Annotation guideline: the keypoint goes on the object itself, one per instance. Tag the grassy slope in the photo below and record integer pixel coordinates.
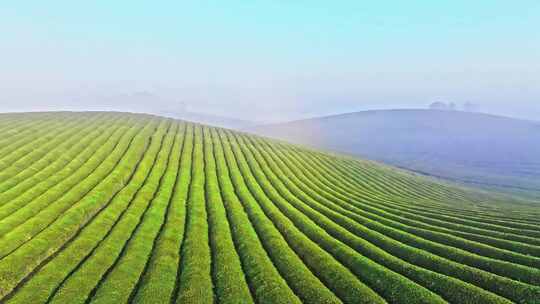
(116, 207)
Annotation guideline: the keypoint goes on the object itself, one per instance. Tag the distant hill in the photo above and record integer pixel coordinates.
(148, 102)
(209, 119)
(491, 151)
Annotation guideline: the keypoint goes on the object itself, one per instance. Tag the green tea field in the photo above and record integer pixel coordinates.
(109, 207)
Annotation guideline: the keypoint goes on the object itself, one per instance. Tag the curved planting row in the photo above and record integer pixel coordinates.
(128, 208)
(336, 183)
(510, 289)
(54, 150)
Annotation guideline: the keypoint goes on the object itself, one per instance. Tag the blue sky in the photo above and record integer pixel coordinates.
(272, 60)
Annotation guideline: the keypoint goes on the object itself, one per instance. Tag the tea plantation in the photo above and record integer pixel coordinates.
(105, 207)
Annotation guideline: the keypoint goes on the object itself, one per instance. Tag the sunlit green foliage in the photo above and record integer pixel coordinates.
(119, 208)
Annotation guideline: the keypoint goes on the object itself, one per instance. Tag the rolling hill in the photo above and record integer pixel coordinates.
(104, 207)
(485, 150)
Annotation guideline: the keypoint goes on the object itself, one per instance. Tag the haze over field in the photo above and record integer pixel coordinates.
(271, 61)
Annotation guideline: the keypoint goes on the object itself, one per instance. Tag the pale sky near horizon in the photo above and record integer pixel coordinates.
(271, 60)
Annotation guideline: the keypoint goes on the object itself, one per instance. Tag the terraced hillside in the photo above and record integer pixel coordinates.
(116, 208)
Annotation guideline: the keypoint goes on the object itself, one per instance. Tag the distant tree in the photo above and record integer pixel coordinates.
(438, 106)
(443, 106)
